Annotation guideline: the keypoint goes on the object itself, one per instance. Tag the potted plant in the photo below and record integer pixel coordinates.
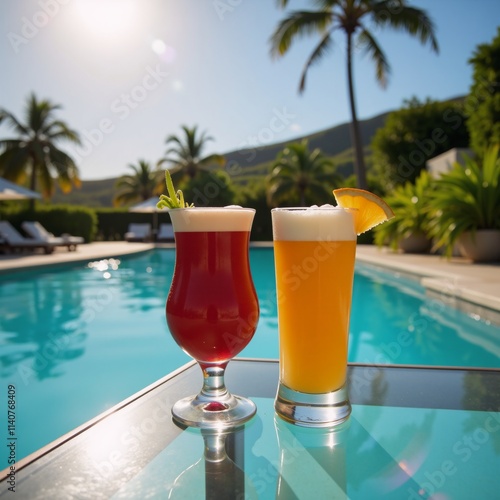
(407, 231)
(466, 208)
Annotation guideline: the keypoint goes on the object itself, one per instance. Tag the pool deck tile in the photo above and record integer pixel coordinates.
(457, 278)
(83, 253)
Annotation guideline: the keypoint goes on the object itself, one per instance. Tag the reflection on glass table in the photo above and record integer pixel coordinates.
(414, 433)
(214, 475)
(380, 453)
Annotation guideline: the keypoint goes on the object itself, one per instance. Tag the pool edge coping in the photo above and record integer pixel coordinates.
(465, 290)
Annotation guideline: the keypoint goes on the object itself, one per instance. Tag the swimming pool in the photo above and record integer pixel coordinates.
(77, 340)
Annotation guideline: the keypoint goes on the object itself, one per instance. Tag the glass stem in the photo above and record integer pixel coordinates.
(215, 446)
(213, 382)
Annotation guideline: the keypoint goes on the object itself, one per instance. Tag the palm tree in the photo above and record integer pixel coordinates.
(186, 153)
(301, 176)
(33, 155)
(143, 184)
(350, 17)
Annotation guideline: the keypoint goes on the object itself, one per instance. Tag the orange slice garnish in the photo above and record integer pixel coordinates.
(371, 209)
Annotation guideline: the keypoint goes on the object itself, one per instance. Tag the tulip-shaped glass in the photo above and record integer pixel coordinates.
(212, 308)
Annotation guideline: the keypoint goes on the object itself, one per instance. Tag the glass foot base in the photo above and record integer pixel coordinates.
(206, 413)
(312, 410)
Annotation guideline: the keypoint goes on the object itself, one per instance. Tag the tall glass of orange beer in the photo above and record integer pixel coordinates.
(314, 251)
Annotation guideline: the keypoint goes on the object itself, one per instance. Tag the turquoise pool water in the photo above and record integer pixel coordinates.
(77, 340)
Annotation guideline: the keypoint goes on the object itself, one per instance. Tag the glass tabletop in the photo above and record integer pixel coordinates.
(414, 433)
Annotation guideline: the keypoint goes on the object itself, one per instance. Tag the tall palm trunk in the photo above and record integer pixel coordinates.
(359, 162)
(302, 197)
(32, 181)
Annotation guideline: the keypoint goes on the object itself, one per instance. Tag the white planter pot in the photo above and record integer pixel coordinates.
(481, 246)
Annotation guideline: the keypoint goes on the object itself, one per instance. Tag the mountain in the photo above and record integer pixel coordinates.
(92, 194)
(334, 142)
(244, 165)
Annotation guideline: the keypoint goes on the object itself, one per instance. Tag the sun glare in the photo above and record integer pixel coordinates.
(166, 53)
(159, 46)
(106, 18)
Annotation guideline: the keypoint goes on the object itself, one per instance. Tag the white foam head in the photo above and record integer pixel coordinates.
(326, 223)
(198, 219)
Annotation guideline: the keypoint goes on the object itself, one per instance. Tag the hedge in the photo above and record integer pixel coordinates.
(57, 219)
(113, 222)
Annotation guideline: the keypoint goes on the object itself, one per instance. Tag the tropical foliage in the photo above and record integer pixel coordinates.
(209, 189)
(300, 177)
(33, 155)
(185, 154)
(466, 199)
(483, 102)
(352, 17)
(410, 204)
(414, 134)
(144, 183)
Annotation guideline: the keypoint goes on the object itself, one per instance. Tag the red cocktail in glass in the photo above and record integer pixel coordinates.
(212, 308)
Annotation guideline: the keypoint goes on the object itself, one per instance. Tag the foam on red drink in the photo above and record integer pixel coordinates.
(212, 307)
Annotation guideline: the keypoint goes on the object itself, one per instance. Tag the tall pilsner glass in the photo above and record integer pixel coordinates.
(314, 258)
(212, 308)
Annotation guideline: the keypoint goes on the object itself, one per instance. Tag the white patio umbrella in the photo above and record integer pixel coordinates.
(11, 191)
(149, 206)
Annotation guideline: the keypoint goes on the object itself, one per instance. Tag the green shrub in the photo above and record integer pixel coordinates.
(209, 189)
(57, 219)
(410, 206)
(414, 134)
(254, 196)
(467, 198)
(113, 222)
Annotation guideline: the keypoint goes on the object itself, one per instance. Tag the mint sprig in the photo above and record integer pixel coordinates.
(175, 199)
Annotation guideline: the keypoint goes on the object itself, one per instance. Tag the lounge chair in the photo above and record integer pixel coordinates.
(13, 240)
(165, 233)
(37, 231)
(138, 232)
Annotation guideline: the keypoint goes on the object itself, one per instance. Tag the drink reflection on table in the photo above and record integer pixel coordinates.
(312, 461)
(347, 461)
(218, 474)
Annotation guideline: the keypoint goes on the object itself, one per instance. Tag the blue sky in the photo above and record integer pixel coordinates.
(128, 73)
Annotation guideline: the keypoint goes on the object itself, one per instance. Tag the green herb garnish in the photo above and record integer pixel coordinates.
(174, 199)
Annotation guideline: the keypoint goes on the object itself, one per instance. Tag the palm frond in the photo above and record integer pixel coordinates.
(299, 175)
(11, 143)
(298, 24)
(34, 154)
(366, 41)
(58, 130)
(45, 181)
(186, 152)
(14, 163)
(321, 49)
(412, 20)
(65, 168)
(12, 122)
(144, 182)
